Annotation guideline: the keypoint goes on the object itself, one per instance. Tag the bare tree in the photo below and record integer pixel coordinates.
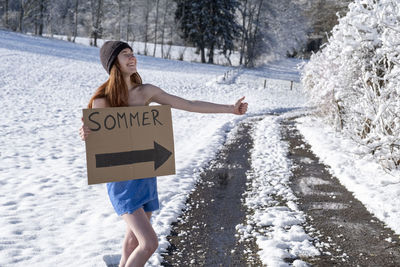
(163, 27)
(274, 28)
(155, 30)
(75, 31)
(128, 24)
(120, 16)
(155, 21)
(6, 13)
(21, 15)
(146, 26)
(250, 31)
(41, 16)
(244, 37)
(26, 9)
(97, 14)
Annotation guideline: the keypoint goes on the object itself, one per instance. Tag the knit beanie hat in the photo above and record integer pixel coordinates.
(109, 52)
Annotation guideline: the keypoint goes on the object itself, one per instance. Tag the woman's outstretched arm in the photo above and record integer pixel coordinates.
(161, 97)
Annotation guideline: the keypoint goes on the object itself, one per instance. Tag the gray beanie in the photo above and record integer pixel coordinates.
(109, 52)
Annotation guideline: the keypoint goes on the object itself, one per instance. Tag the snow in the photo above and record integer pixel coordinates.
(51, 217)
(276, 225)
(353, 80)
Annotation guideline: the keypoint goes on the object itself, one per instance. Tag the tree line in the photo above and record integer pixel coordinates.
(254, 28)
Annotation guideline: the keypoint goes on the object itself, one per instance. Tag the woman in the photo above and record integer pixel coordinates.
(135, 200)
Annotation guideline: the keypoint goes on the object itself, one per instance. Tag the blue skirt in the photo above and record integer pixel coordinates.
(128, 196)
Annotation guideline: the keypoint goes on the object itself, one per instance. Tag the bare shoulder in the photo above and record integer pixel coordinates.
(149, 87)
(150, 90)
(145, 94)
(100, 103)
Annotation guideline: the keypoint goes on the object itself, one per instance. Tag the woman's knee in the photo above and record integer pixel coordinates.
(131, 240)
(149, 246)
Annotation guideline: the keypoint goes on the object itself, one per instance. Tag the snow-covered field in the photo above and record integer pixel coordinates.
(49, 215)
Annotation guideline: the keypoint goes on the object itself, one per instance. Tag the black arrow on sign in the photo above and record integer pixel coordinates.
(158, 154)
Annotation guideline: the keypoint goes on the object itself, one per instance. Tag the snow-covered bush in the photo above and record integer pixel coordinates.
(354, 81)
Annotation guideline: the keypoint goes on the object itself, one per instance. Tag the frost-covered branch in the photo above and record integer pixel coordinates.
(355, 78)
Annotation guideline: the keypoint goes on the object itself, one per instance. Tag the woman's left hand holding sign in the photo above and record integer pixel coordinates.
(84, 131)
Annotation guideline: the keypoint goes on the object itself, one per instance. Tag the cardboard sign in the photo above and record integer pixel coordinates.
(129, 143)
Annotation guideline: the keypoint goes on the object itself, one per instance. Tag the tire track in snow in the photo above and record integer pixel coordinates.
(205, 234)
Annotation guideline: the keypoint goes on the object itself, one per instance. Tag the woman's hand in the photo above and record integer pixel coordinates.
(84, 131)
(240, 108)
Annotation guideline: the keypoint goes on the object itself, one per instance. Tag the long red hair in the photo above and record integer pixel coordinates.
(114, 89)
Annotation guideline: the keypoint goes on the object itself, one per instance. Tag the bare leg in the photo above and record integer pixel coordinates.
(139, 224)
(148, 214)
(129, 244)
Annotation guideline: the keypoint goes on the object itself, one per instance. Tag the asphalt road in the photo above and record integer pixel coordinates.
(205, 234)
(348, 233)
(344, 231)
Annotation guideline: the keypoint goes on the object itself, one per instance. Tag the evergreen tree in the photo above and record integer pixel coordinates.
(208, 24)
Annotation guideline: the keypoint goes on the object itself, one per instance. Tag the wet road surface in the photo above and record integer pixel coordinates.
(348, 234)
(205, 235)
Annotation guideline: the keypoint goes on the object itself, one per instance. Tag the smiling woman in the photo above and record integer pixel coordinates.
(135, 200)
(115, 90)
(127, 61)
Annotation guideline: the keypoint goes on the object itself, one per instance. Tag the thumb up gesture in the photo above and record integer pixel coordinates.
(240, 107)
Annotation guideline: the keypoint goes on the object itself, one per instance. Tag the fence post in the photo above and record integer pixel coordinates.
(265, 83)
(291, 85)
